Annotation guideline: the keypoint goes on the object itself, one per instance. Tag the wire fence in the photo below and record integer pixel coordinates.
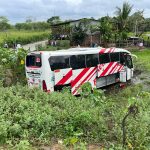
(128, 43)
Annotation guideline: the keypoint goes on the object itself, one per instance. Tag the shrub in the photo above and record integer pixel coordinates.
(63, 43)
(35, 116)
(12, 64)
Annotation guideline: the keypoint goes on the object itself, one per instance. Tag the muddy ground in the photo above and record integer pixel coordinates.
(142, 77)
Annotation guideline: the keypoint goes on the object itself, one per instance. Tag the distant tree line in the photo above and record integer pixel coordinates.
(27, 25)
(36, 26)
(4, 25)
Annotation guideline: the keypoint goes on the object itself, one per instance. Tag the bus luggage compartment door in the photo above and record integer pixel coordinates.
(63, 76)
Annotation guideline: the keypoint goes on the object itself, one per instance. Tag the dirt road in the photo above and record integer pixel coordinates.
(33, 46)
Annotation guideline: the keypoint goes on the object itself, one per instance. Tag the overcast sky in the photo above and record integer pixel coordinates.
(39, 10)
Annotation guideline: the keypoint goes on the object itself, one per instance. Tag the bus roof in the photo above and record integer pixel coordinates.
(80, 51)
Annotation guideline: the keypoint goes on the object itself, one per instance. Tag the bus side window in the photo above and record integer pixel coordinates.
(59, 62)
(104, 58)
(91, 60)
(122, 59)
(129, 61)
(114, 57)
(77, 61)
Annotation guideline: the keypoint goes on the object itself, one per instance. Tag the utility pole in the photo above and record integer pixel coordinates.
(135, 27)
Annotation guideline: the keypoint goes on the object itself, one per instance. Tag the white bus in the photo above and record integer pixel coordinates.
(50, 70)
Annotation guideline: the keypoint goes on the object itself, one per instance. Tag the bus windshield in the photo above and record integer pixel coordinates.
(129, 61)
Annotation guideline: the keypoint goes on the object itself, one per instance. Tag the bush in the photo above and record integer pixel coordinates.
(63, 43)
(35, 116)
(12, 66)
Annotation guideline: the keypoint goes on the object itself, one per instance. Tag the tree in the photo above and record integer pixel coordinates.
(40, 26)
(79, 33)
(29, 19)
(137, 23)
(4, 25)
(54, 20)
(147, 23)
(105, 28)
(122, 18)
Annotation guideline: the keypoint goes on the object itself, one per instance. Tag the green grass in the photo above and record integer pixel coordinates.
(143, 58)
(22, 36)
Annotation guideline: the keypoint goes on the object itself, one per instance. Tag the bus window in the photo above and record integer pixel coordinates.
(91, 60)
(77, 61)
(33, 60)
(114, 57)
(129, 61)
(122, 58)
(104, 58)
(59, 62)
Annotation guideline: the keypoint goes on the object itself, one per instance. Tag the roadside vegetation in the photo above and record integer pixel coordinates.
(12, 66)
(31, 118)
(12, 37)
(143, 59)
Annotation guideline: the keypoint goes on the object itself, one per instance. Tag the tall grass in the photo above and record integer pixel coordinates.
(23, 37)
(143, 58)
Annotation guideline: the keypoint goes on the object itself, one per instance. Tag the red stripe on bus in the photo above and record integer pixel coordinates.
(65, 78)
(108, 67)
(111, 71)
(92, 76)
(58, 70)
(102, 50)
(117, 69)
(85, 79)
(82, 73)
(120, 68)
(110, 50)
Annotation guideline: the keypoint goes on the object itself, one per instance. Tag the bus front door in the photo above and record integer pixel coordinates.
(129, 67)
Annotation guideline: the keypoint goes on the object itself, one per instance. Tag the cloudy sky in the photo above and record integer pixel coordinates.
(39, 10)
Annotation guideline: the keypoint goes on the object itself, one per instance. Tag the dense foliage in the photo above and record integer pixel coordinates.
(4, 25)
(79, 33)
(105, 28)
(12, 66)
(37, 117)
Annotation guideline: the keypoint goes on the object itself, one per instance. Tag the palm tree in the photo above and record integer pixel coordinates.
(123, 16)
(105, 28)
